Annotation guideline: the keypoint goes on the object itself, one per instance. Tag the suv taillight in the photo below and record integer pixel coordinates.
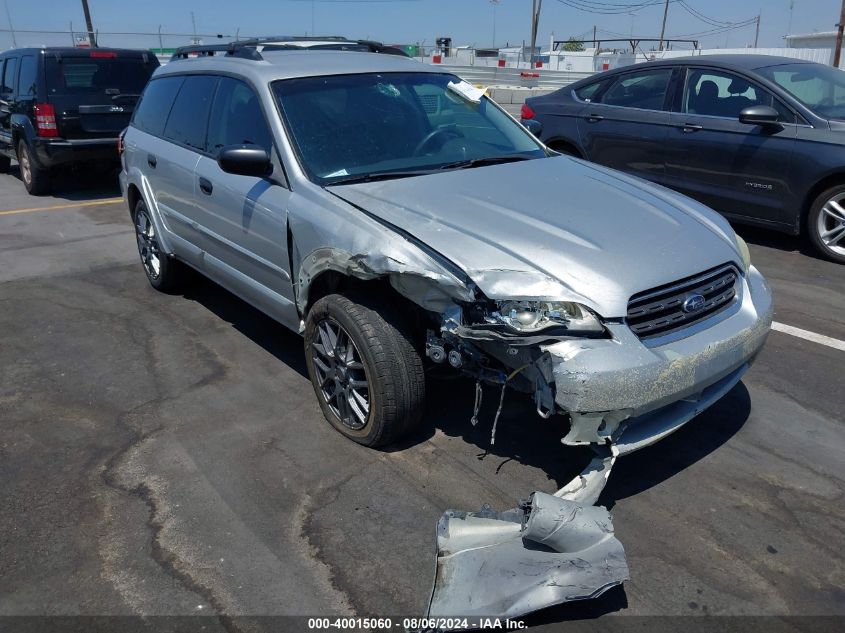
(527, 112)
(45, 120)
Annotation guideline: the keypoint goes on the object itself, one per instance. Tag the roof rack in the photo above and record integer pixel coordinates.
(232, 49)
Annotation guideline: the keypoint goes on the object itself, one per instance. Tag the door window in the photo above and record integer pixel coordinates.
(27, 76)
(8, 87)
(721, 94)
(188, 118)
(645, 89)
(156, 102)
(586, 93)
(236, 118)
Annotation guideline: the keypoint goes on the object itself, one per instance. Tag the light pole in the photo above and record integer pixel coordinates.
(495, 4)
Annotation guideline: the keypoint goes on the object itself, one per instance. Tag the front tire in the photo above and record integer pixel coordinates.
(36, 179)
(367, 375)
(164, 273)
(826, 224)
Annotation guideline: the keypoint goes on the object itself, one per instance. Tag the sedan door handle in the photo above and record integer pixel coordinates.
(205, 186)
(593, 118)
(691, 127)
(152, 161)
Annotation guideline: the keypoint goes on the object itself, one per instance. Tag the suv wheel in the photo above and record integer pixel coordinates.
(826, 224)
(35, 179)
(367, 375)
(163, 272)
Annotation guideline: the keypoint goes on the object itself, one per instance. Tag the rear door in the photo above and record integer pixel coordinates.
(736, 168)
(246, 216)
(94, 92)
(626, 122)
(8, 71)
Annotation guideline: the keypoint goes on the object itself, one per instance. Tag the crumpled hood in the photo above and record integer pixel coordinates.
(555, 228)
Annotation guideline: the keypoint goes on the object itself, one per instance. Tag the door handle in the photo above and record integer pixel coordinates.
(593, 118)
(152, 161)
(205, 186)
(691, 127)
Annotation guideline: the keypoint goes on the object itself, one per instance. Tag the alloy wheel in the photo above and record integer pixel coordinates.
(26, 166)
(830, 224)
(341, 374)
(147, 244)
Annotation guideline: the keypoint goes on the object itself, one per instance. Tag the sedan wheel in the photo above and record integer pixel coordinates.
(164, 273)
(148, 245)
(341, 374)
(826, 224)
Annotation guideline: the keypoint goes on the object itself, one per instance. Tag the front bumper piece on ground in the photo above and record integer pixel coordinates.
(515, 562)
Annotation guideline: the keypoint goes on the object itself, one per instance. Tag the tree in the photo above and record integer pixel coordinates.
(573, 45)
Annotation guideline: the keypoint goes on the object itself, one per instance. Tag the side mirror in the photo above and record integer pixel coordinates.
(245, 160)
(759, 115)
(533, 126)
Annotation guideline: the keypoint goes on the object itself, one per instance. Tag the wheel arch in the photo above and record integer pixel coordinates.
(569, 146)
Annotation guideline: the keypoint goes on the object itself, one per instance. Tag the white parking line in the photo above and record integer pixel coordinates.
(821, 339)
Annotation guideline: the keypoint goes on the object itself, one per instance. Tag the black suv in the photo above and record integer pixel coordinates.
(61, 106)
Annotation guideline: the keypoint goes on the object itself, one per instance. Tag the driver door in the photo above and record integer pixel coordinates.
(736, 168)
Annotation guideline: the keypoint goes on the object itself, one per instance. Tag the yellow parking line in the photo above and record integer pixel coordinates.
(58, 207)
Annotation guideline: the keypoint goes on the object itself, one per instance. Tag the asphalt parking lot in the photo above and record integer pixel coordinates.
(165, 455)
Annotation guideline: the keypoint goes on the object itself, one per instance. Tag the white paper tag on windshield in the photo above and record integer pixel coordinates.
(335, 174)
(467, 91)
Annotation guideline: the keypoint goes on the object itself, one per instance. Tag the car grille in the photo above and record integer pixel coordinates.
(661, 310)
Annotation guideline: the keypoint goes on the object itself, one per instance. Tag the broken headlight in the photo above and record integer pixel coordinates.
(533, 316)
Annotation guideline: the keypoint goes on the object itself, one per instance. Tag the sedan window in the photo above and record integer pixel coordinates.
(721, 94)
(644, 89)
(820, 88)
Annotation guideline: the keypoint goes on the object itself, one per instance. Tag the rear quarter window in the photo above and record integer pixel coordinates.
(151, 113)
(586, 93)
(188, 118)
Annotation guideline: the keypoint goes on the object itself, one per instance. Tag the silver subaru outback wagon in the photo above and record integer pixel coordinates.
(399, 219)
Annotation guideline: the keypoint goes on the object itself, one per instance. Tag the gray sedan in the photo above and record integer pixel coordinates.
(758, 138)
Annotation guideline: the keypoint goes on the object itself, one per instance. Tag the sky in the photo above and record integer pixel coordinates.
(470, 22)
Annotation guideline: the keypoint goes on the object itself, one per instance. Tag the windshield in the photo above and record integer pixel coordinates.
(820, 88)
(356, 126)
(92, 75)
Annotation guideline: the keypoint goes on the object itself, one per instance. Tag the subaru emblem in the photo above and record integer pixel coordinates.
(694, 303)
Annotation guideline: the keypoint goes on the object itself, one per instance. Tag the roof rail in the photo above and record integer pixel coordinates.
(232, 49)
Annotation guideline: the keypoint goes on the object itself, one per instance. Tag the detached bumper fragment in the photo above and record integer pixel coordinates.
(508, 564)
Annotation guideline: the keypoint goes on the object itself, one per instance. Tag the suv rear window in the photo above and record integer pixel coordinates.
(93, 75)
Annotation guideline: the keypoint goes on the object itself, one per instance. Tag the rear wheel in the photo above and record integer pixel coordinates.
(36, 179)
(367, 375)
(826, 224)
(164, 273)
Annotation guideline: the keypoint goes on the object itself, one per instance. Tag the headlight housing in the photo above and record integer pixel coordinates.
(744, 253)
(534, 316)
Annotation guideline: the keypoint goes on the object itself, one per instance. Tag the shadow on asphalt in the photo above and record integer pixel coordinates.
(777, 240)
(521, 435)
(80, 184)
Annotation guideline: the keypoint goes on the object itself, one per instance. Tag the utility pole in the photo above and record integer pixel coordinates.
(494, 3)
(536, 6)
(663, 28)
(11, 28)
(757, 32)
(92, 38)
(594, 36)
(839, 28)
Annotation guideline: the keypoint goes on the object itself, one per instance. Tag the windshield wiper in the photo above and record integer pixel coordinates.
(488, 160)
(382, 175)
